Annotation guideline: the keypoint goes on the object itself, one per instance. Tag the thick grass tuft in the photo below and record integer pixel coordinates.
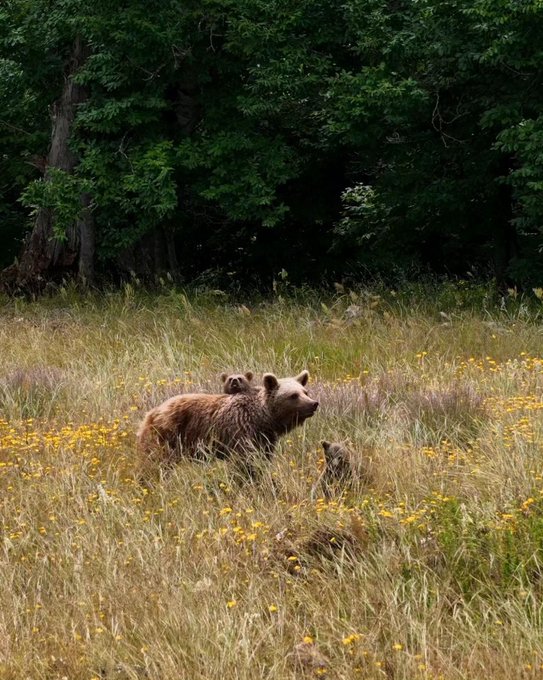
(30, 393)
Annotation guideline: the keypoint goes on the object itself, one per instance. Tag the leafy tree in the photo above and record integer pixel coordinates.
(450, 89)
(237, 139)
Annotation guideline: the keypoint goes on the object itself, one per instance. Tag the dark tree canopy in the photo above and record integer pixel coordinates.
(228, 141)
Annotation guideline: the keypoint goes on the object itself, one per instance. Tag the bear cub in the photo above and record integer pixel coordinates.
(342, 467)
(338, 462)
(237, 383)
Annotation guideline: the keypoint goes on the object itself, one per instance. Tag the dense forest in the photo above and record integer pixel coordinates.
(232, 141)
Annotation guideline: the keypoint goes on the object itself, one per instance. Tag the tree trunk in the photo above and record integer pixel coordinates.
(173, 263)
(85, 227)
(44, 257)
(506, 248)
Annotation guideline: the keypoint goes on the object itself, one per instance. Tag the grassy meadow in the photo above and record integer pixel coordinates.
(430, 567)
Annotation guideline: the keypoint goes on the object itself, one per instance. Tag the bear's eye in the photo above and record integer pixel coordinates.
(294, 396)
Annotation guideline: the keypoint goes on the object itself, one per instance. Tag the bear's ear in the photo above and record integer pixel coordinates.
(224, 376)
(270, 382)
(326, 446)
(249, 375)
(303, 378)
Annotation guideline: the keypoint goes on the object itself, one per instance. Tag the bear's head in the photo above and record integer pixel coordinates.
(236, 383)
(288, 401)
(335, 453)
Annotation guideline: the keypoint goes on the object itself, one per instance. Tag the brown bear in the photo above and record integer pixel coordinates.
(338, 462)
(342, 465)
(191, 424)
(237, 382)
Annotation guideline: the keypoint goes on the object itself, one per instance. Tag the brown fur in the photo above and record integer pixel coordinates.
(342, 465)
(187, 424)
(339, 462)
(237, 382)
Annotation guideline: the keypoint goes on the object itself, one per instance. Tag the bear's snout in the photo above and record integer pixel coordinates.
(312, 406)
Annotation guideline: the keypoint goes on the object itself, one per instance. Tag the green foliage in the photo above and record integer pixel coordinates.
(524, 142)
(363, 213)
(242, 173)
(60, 193)
(381, 135)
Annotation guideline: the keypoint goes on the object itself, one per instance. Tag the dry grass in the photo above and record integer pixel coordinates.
(432, 571)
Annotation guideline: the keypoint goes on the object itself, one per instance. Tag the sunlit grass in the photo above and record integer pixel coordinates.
(431, 567)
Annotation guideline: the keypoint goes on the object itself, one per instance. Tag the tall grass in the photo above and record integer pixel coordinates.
(430, 568)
